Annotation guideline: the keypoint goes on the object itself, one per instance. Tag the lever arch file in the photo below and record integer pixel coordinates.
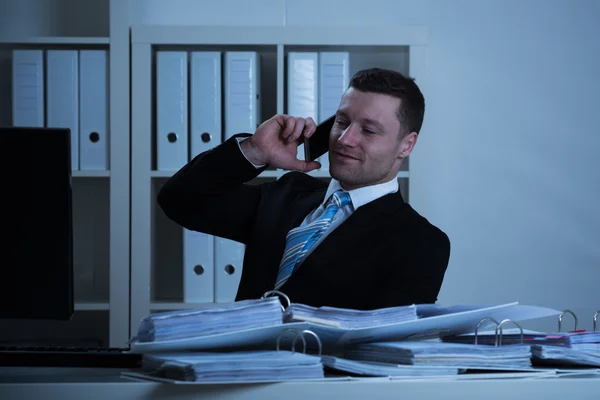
(62, 95)
(28, 88)
(334, 77)
(171, 109)
(93, 109)
(198, 267)
(205, 101)
(242, 92)
(229, 257)
(302, 87)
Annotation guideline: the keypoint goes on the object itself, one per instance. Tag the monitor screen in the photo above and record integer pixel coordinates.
(36, 243)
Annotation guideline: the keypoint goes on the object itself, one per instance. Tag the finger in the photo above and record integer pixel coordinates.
(290, 123)
(310, 127)
(298, 130)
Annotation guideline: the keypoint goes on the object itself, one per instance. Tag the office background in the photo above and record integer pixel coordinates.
(510, 136)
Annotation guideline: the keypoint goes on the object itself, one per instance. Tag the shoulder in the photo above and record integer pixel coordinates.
(425, 231)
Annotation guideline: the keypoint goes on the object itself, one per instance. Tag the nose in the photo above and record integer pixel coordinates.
(349, 136)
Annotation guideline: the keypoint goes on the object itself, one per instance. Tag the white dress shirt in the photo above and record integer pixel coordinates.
(359, 197)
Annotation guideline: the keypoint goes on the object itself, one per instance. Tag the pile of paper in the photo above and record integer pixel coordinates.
(350, 319)
(582, 356)
(241, 366)
(437, 353)
(230, 317)
(364, 368)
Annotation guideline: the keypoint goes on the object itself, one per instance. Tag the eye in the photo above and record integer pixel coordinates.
(341, 122)
(369, 131)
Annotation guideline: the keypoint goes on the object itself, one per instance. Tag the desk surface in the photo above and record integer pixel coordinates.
(55, 383)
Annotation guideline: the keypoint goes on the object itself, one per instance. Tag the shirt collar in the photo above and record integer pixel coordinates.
(363, 195)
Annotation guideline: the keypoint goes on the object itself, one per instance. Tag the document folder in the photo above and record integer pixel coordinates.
(205, 101)
(242, 92)
(28, 88)
(171, 109)
(93, 110)
(229, 259)
(334, 77)
(302, 87)
(62, 95)
(198, 267)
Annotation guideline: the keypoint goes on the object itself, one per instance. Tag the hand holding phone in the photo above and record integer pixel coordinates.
(275, 143)
(318, 143)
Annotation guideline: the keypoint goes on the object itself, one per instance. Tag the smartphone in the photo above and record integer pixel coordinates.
(318, 143)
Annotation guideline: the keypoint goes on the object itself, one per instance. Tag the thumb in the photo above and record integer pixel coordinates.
(305, 166)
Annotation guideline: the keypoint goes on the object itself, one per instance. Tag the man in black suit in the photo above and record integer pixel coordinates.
(362, 248)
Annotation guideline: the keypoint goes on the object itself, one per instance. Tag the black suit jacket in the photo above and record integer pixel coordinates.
(385, 254)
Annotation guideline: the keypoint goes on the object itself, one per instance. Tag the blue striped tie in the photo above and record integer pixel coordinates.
(300, 240)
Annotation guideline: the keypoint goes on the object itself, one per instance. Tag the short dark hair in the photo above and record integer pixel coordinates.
(412, 104)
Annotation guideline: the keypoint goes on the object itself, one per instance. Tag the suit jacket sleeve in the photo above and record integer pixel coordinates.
(209, 193)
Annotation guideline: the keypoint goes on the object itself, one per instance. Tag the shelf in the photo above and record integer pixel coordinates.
(62, 40)
(288, 35)
(92, 307)
(90, 174)
(268, 174)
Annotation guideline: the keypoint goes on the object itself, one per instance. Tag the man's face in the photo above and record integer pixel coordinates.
(364, 145)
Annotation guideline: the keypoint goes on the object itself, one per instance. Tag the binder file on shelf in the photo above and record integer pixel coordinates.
(242, 92)
(171, 109)
(62, 95)
(334, 77)
(198, 267)
(229, 257)
(28, 88)
(302, 87)
(205, 101)
(93, 110)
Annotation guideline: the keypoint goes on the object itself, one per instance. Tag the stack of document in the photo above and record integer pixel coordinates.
(348, 318)
(580, 356)
(437, 353)
(242, 366)
(213, 320)
(364, 368)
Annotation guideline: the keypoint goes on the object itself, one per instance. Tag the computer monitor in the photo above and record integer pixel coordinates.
(36, 234)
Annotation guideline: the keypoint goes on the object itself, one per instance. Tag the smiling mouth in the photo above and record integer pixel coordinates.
(345, 155)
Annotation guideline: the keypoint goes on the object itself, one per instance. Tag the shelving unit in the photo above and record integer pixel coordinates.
(99, 263)
(156, 242)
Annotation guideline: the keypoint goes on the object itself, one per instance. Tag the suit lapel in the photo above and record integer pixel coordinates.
(362, 224)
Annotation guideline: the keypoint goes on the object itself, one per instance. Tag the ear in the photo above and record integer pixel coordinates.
(407, 144)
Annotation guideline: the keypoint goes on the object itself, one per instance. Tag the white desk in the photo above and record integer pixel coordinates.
(108, 385)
